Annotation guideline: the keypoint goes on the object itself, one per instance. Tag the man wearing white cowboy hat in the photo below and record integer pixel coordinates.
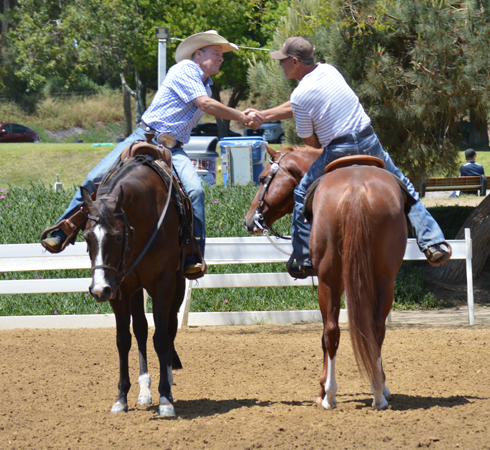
(181, 101)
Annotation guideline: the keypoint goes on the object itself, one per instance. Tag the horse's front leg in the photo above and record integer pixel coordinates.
(123, 339)
(329, 301)
(140, 328)
(163, 346)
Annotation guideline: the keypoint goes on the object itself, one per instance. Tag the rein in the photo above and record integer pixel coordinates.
(120, 268)
(258, 218)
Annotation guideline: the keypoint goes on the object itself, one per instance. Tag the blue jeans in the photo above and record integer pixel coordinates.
(426, 229)
(182, 165)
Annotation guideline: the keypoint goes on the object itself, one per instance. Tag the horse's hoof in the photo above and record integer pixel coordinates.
(329, 405)
(166, 410)
(119, 408)
(383, 405)
(144, 400)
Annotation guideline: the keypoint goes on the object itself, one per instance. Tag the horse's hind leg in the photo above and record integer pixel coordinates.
(140, 328)
(385, 300)
(329, 300)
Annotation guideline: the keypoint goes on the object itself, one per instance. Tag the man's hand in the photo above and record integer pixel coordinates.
(256, 119)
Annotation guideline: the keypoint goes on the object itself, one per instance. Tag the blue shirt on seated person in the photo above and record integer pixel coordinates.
(471, 167)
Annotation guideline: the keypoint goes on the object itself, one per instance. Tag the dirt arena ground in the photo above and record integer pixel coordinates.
(247, 387)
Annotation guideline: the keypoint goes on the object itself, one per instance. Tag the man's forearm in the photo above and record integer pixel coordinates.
(281, 112)
(217, 109)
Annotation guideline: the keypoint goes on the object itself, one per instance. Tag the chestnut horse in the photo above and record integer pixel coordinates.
(357, 243)
(122, 219)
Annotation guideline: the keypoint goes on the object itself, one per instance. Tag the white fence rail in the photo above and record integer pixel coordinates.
(32, 257)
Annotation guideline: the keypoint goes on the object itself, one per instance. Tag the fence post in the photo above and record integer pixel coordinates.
(469, 276)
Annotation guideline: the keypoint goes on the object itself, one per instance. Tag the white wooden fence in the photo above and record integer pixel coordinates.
(32, 257)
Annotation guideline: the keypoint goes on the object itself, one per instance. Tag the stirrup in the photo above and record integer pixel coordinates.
(190, 247)
(445, 255)
(69, 228)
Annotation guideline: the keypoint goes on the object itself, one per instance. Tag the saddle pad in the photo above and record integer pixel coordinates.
(148, 149)
(361, 160)
(408, 199)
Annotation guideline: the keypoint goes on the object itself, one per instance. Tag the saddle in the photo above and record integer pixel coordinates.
(354, 160)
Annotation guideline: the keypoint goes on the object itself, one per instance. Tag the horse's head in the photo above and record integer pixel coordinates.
(107, 236)
(274, 199)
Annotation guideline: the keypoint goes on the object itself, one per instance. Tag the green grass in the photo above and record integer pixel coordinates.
(26, 212)
(22, 164)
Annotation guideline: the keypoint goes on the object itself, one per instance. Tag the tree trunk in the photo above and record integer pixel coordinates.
(128, 122)
(4, 21)
(479, 224)
(478, 134)
(236, 95)
(140, 97)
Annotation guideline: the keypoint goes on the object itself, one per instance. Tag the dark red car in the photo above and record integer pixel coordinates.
(12, 132)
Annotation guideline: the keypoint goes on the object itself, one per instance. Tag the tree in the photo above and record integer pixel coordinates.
(479, 223)
(419, 68)
(118, 37)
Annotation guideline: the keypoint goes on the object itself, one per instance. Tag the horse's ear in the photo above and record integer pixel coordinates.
(119, 200)
(273, 154)
(87, 198)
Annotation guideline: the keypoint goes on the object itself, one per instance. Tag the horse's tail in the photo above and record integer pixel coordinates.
(358, 278)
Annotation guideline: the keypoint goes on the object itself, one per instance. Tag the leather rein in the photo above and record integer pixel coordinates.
(120, 271)
(258, 218)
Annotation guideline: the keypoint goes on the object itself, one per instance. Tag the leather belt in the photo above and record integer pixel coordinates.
(149, 129)
(351, 137)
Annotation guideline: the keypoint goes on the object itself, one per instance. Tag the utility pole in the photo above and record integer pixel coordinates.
(162, 34)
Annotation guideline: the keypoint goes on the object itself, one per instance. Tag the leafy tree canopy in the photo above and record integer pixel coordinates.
(106, 36)
(418, 66)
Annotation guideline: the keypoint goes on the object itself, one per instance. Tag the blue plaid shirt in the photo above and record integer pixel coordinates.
(173, 110)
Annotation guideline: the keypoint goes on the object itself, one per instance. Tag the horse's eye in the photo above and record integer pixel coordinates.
(119, 237)
(261, 179)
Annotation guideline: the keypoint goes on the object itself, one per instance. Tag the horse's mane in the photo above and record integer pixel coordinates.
(302, 149)
(107, 193)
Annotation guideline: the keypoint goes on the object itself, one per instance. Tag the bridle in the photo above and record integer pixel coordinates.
(119, 270)
(258, 217)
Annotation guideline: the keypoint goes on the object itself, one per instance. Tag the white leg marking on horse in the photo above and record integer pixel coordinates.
(166, 407)
(380, 401)
(144, 397)
(329, 401)
(99, 278)
(386, 391)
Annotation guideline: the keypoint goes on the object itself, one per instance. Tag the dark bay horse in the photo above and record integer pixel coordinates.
(123, 217)
(357, 243)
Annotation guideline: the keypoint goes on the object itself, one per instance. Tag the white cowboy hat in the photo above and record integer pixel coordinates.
(199, 40)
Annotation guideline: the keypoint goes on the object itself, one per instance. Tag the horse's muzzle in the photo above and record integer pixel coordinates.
(102, 295)
(255, 223)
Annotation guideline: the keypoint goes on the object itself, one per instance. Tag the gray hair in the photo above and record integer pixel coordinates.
(203, 49)
(308, 62)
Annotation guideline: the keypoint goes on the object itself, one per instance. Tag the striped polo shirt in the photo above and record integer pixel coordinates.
(323, 103)
(173, 110)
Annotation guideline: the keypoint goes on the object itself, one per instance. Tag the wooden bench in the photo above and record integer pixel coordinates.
(464, 184)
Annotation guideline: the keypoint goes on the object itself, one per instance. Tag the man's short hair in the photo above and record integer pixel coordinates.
(469, 153)
(308, 62)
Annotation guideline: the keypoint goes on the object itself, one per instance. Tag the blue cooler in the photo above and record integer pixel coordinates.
(242, 159)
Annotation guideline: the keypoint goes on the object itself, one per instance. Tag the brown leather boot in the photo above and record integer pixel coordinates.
(192, 264)
(438, 254)
(70, 227)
